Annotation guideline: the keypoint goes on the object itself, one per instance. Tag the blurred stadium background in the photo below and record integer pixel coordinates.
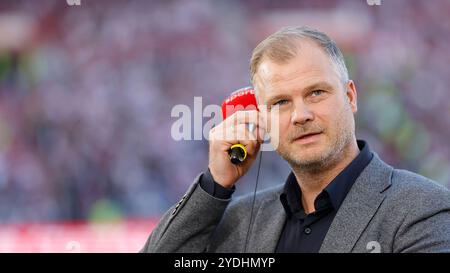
(87, 162)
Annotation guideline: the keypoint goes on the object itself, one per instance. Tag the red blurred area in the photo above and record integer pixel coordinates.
(119, 236)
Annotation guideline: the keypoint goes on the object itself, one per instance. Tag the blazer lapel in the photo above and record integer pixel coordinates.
(358, 208)
(268, 222)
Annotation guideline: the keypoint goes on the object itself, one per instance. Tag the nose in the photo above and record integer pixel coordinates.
(301, 114)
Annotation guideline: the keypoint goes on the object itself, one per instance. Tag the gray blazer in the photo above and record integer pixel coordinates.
(386, 210)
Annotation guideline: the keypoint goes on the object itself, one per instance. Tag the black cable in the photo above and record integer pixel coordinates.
(253, 203)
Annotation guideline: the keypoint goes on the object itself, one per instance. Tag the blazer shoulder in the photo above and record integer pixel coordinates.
(411, 187)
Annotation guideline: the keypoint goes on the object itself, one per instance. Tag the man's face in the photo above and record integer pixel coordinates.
(315, 109)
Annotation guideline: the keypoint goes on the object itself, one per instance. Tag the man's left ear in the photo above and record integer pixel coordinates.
(352, 96)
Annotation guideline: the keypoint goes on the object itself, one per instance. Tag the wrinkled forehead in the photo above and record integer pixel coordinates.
(311, 64)
(310, 60)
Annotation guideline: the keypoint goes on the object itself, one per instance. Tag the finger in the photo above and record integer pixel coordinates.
(242, 132)
(237, 134)
(232, 134)
(243, 117)
(260, 133)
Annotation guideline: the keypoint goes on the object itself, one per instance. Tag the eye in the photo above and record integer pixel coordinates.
(316, 93)
(280, 102)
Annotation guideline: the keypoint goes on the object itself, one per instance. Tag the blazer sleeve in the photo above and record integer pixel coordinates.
(188, 225)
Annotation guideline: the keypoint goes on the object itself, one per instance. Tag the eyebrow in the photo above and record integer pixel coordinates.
(321, 85)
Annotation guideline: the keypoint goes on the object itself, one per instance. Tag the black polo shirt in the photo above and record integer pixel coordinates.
(302, 232)
(305, 232)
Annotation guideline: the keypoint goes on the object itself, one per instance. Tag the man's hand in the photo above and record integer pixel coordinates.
(231, 131)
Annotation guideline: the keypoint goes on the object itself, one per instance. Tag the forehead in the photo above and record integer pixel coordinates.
(310, 65)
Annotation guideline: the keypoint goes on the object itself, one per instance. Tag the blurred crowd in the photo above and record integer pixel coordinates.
(86, 94)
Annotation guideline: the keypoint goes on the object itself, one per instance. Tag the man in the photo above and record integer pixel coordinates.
(340, 196)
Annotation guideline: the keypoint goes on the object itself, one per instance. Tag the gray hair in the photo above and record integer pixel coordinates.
(283, 45)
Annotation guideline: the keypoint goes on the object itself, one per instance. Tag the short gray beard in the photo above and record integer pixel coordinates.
(327, 160)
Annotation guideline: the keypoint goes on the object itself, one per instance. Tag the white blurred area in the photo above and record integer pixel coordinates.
(75, 237)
